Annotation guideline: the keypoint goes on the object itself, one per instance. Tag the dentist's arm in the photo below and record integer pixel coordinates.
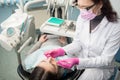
(104, 60)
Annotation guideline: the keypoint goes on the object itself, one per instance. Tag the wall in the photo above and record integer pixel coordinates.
(5, 12)
(116, 6)
(73, 13)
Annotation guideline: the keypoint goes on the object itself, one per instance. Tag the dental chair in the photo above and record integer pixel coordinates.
(24, 75)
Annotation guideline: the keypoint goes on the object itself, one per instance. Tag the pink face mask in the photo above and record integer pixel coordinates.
(88, 15)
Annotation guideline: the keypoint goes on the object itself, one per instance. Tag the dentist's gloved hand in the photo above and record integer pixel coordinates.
(55, 53)
(68, 63)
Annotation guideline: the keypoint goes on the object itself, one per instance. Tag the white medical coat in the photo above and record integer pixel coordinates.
(95, 49)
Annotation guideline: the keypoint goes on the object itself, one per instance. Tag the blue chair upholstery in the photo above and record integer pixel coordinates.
(117, 56)
(117, 59)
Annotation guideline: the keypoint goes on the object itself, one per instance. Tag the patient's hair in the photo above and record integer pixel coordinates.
(40, 73)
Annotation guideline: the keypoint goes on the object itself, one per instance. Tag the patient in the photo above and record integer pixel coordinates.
(41, 67)
(36, 54)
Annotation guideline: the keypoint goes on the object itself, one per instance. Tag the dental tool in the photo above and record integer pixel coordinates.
(54, 5)
(66, 8)
(49, 4)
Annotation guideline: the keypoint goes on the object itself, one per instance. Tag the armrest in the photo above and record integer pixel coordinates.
(25, 44)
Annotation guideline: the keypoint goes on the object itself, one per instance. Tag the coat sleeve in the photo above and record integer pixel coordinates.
(110, 49)
(75, 46)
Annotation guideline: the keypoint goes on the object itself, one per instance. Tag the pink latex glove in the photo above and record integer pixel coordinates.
(68, 63)
(55, 53)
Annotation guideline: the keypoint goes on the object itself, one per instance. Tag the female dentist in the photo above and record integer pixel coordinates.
(96, 41)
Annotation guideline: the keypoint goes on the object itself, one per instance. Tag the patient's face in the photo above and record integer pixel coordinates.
(49, 64)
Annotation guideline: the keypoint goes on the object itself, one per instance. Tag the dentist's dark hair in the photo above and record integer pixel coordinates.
(107, 10)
